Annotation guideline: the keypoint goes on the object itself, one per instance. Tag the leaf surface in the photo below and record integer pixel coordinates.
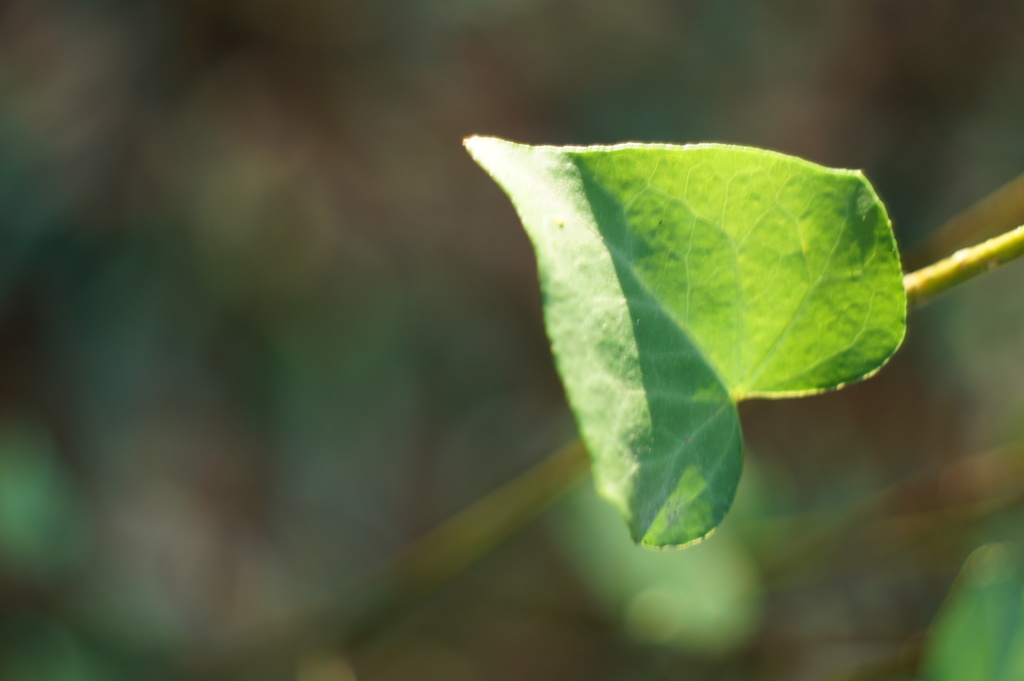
(678, 280)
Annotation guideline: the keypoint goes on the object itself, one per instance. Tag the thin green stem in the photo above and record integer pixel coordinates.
(992, 215)
(898, 666)
(352, 617)
(459, 542)
(967, 263)
(449, 548)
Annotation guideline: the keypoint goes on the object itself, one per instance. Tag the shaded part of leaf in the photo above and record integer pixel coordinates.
(691, 451)
(661, 429)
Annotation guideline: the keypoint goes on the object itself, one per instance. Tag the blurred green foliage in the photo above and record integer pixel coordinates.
(979, 634)
(41, 527)
(262, 323)
(705, 599)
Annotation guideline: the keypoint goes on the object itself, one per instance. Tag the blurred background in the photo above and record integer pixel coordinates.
(263, 323)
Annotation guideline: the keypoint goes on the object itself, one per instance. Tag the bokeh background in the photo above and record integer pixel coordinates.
(263, 323)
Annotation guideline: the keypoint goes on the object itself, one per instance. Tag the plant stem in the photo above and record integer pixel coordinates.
(349, 619)
(460, 541)
(967, 263)
(992, 215)
(898, 666)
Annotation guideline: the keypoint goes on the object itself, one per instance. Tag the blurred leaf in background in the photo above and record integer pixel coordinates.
(979, 633)
(706, 599)
(43, 532)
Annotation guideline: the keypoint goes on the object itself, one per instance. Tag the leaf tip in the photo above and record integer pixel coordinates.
(491, 153)
(476, 146)
(474, 143)
(655, 544)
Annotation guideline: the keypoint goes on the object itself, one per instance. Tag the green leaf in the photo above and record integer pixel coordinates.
(680, 280)
(979, 632)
